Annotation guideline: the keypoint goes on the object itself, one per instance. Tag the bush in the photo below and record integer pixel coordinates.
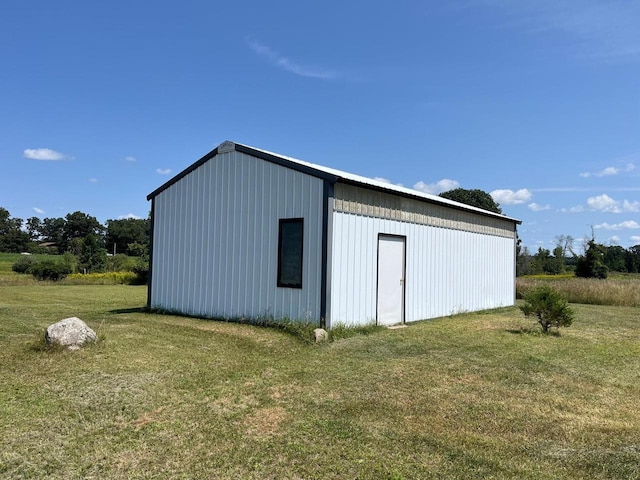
(50, 270)
(23, 265)
(141, 269)
(120, 263)
(549, 306)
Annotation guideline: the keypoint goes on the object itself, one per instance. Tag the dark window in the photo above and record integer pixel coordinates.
(290, 236)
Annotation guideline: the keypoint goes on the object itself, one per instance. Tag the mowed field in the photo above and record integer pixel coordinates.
(471, 396)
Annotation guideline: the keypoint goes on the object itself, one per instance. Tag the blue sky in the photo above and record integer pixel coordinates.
(535, 102)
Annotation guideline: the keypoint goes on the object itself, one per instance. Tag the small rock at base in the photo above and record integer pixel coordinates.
(320, 335)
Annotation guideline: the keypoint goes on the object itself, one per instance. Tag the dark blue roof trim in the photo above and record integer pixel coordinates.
(249, 151)
(183, 174)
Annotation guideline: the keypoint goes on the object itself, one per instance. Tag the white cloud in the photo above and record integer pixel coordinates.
(630, 206)
(609, 171)
(635, 238)
(163, 171)
(576, 209)
(385, 180)
(39, 211)
(538, 208)
(627, 225)
(509, 197)
(129, 216)
(440, 186)
(380, 179)
(604, 203)
(614, 240)
(93, 180)
(130, 159)
(283, 62)
(45, 154)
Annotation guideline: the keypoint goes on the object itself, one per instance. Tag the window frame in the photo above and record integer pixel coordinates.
(281, 222)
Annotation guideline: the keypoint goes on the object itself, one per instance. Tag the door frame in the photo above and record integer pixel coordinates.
(404, 272)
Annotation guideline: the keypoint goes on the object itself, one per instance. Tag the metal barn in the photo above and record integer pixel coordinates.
(248, 233)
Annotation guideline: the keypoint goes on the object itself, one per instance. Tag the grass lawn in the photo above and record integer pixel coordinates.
(471, 396)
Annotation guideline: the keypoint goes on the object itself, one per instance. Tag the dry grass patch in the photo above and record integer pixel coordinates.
(623, 291)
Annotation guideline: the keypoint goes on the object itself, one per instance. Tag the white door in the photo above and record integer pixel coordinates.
(390, 279)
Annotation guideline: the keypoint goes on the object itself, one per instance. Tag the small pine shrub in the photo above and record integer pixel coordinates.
(23, 265)
(50, 270)
(549, 306)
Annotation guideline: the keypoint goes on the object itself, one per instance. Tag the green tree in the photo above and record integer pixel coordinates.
(33, 226)
(125, 232)
(615, 258)
(550, 308)
(475, 198)
(80, 225)
(591, 264)
(52, 230)
(92, 256)
(632, 259)
(556, 264)
(12, 238)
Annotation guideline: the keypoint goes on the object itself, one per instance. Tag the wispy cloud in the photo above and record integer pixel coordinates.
(609, 171)
(93, 180)
(628, 225)
(510, 197)
(129, 216)
(45, 154)
(635, 238)
(603, 30)
(440, 186)
(285, 63)
(39, 211)
(576, 209)
(534, 207)
(163, 171)
(130, 159)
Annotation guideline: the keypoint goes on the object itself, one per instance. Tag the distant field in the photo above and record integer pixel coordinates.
(622, 290)
(471, 396)
(8, 259)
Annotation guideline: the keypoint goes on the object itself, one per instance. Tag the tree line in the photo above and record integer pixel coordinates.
(59, 235)
(77, 235)
(596, 261)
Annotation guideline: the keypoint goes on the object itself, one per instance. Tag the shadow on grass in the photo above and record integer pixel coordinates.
(129, 310)
(532, 331)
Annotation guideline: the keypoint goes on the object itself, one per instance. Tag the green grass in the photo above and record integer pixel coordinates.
(162, 396)
(8, 259)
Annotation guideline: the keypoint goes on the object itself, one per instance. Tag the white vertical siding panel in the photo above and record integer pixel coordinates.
(216, 240)
(447, 271)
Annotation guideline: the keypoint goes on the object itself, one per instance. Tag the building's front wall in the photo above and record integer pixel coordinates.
(215, 240)
(455, 261)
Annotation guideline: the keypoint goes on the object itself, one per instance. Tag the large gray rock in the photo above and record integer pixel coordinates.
(71, 333)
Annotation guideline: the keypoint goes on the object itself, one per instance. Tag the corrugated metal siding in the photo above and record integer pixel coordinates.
(216, 240)
(447, 271)
(373, 203)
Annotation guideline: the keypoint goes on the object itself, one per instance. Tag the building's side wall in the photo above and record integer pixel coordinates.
(448, 270)
(215, 240)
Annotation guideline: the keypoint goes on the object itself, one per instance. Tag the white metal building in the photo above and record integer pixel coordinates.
(248, 233)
